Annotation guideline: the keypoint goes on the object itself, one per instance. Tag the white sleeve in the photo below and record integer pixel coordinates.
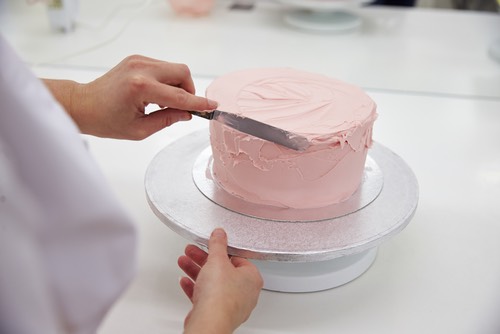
(69, 249)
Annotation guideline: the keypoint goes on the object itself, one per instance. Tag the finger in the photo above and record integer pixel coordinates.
(160, 119)
(178, 98)
(187, 286)
(196, 254)
(217, 245)
(176, 75)
(189, 267)
(183, 115)
(166, 72)
(169, 116)
(188, 317)
(241, 262)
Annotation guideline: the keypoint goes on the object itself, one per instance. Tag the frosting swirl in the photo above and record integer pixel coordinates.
(309, 104)
(336, 117)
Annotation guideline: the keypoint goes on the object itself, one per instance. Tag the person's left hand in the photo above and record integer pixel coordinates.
(223, 290)
(114, 105)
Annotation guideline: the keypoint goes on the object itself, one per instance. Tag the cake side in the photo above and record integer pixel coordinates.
(336, 117)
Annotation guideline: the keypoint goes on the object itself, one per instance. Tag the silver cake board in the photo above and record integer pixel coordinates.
(294, 255)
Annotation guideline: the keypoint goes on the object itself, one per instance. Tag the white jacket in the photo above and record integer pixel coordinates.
(67, 249)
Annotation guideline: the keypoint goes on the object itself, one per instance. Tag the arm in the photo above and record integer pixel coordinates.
(223, 291)
(114, 105)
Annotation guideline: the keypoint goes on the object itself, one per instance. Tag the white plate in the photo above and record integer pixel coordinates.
(323, 16)
(322, 5)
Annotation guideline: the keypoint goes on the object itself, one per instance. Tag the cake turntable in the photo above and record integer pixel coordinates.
(295, 250)
(323, 15)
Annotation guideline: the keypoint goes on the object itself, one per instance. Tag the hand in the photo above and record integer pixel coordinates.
(223, 290)
(114, 105)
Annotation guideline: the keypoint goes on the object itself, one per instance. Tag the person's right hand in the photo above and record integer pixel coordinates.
(223, 290)
(114, 104)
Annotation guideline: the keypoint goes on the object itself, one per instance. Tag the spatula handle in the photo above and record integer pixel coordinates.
(203, 114)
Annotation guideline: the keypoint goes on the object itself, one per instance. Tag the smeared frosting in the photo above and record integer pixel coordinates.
(336, 117)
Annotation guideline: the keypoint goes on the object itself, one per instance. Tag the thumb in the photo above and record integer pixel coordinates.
(162, 118)
(217, 245)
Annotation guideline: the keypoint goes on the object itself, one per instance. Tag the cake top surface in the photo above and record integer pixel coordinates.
(305, 103)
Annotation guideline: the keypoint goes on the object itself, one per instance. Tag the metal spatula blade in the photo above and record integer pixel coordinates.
(257, 129)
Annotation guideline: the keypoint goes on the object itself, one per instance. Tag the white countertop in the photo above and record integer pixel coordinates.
(396, 49)
(441, 274)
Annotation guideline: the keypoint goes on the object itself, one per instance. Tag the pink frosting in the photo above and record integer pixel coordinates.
(335, 116)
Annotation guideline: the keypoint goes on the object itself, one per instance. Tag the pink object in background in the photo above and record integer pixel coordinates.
(193, 8)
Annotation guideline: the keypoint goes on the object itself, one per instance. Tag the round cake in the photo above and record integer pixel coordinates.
(336, 117)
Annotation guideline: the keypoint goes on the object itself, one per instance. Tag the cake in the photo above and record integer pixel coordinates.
(336, 117)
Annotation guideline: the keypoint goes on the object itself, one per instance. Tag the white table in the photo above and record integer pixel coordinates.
(441, 274)
(412, 50)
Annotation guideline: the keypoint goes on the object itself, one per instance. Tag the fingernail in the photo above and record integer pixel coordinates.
(185, 117)
(219, 232)
(212, 104)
